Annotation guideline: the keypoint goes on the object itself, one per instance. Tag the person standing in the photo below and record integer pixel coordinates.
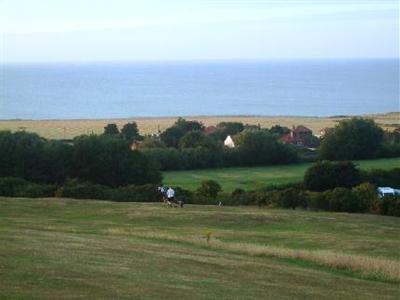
(163, 192)
(170, 196)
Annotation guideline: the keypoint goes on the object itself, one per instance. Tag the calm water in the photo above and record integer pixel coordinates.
(108, 90)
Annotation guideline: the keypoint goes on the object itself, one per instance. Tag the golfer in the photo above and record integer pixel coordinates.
(170, 196)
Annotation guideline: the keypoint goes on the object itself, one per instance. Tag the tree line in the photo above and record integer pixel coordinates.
(102, 159)
(108, 159)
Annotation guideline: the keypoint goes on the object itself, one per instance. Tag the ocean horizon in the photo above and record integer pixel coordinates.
(104, 90)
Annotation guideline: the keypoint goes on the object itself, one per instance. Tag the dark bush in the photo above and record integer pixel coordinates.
(368, 196)
(17, 187)
(390, 205)
(9, 186)
(209, 188)
(342, 199)
(327, 175)
(317, 200)
(290, 198)
(186, 196)
(136, 193)
(240, 197)
(237, 193)
(84, 190)
(382, 177)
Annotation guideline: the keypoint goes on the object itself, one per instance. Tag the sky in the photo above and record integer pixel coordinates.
(163, 30)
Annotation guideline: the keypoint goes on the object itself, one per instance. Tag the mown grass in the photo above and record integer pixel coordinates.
(258, 177)
(59, 248)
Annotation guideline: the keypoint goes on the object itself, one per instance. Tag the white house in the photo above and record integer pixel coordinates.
(229, 143)
(385, 191)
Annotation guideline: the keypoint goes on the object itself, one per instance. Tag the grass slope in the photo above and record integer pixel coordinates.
(258, 177)
(58, 248)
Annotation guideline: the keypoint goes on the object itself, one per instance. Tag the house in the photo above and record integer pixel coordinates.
(301, 131)
(135, 145)
(210, 130)
(229, 143)
(386, 191)
(300, 136)
(324, 131)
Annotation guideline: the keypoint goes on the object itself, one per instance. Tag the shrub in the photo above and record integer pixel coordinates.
(184, 195)
(240, 197)
(17, 187)
(382, 177)
(342, 199)
(209, 188)
(237, 193)
(33, 190)
(390, 205)
(9, 186)
(290, 198)
(367, 195)
(85, 190)
(326, 175)
(136, 193)
(317, 200)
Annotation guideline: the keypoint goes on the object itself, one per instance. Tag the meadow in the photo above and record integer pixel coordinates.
(68, 129)
(258, 177)
(61, 248)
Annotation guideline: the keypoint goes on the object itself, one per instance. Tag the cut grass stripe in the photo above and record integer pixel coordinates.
(371, 267)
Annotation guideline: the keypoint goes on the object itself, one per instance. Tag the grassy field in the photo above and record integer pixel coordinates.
(59, 129)
(258, 177)
(59, 248)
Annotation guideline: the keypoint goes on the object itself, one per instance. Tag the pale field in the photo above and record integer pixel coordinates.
(68, 129)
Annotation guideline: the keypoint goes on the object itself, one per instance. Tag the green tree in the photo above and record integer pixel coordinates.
(187, 126)
(209, 188)
(259, 147)
(227, 128)
(352, 139)
(130, 132)
(111, 129)
(194, 139)
(368, 196)
(342, 199)
(279, 130)
(151, 142)
(172, 135)
(327, 175)
(108, 160)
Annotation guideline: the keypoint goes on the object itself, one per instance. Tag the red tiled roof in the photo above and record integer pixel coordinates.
(302, 129)
(210, 129)
(287, 138)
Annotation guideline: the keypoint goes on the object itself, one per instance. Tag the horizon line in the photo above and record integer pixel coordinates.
(194, 60)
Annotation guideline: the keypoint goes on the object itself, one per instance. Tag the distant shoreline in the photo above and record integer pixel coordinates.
(204, 117)
(195, 61)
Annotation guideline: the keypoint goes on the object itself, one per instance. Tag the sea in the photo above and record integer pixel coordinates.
(195, 88)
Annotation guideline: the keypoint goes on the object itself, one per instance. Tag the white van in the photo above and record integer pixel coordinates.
(385, 191)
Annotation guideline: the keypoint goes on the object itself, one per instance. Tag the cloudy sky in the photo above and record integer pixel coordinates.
(140, 30)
